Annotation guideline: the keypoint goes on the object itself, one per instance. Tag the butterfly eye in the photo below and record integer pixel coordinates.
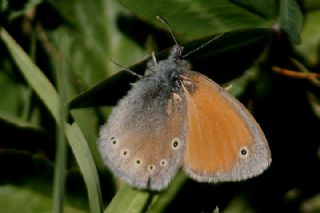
(175, 143)
(244, 152)
(163, 162)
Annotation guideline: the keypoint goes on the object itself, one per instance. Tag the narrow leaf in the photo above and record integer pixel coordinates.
(50, 98)
(130, 200)
(33, 74)
(61, 151)
(169, 194)
(84, 158)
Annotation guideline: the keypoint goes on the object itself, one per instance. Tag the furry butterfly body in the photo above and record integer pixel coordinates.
(173, 118)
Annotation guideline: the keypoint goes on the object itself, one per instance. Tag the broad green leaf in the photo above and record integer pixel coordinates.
(291, 19)
(196, 19)
(100, 94)
(232, 42)
(310, 38)
(95, 38)
(267, 9)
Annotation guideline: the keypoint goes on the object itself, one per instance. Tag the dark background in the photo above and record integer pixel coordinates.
(257, 38)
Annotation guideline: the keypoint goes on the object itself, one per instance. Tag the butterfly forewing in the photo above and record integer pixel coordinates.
(225, 143)
(144, 140)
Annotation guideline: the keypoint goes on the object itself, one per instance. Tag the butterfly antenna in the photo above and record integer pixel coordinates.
(171, 32)
(202, 45)
(126, 69)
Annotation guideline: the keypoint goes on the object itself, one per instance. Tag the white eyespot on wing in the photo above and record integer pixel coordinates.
(151, 168)
(114, 141)
(175, 143)
(163, 162)
(138, 162)
(244, 152)
(124, 153)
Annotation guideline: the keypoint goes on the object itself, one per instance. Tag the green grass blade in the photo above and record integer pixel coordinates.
(61, 151)
(169, 194)
(33, 75)
(60, 170)
(84, 158)
(50, 98)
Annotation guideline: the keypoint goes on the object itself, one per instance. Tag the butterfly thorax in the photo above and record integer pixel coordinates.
(168, 73)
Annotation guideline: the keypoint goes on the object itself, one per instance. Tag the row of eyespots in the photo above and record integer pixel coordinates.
(162, 162)
(175, 142)
(125, 153)
(244, 152)
(151, 167)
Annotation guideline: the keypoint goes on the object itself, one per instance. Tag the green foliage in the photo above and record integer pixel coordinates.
(56, 79)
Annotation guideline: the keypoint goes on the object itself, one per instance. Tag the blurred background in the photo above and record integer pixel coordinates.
(269, 53)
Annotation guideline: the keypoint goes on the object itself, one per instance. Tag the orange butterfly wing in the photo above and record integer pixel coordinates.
(225, 143)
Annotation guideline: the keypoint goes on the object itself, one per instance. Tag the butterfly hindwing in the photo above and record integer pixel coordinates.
(144, 139)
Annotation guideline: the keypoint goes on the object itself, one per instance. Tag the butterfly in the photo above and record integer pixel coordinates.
(174, 117)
